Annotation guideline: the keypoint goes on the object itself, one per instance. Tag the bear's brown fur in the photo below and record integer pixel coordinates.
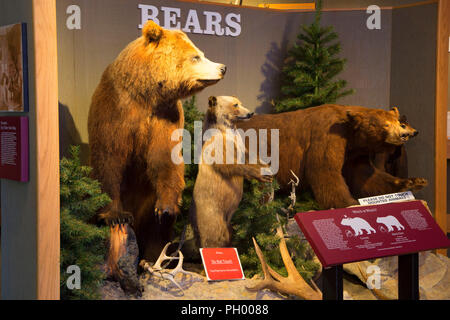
(362, 173)
(219, 185)
(316, 142)
(134, 111)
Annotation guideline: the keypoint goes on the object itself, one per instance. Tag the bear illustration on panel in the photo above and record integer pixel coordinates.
(219, 185)
(134, 111)
(316, 143)
(390, 222)
(358, 225)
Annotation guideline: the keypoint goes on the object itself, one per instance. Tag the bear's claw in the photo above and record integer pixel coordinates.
(160, 213)
(418, 183)
(113, 218)
(413, 184)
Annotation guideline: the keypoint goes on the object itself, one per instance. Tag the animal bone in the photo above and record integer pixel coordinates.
(293, 284)
(293, 196)
(167, 274)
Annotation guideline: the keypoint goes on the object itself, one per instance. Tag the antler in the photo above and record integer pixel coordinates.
(293, 284)
(293, 196)
(295, 183)
(167, 274)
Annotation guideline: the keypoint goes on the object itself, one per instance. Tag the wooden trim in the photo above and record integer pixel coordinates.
(47, 136)
(422, 3)
(440, 186)
(289, 6)
(448, 223)
(448, 148)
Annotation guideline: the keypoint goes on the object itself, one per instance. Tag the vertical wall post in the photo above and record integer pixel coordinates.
(441, 116)
(47, 136)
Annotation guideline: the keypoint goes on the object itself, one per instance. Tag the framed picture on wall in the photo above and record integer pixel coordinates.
(13, 68)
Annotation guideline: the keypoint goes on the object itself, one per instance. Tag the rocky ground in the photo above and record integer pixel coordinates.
(434, 283)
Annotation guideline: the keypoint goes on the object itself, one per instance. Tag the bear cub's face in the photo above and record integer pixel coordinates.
(227, 110)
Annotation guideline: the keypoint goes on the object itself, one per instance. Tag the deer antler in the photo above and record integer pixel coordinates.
(167, 274)
(293, 284)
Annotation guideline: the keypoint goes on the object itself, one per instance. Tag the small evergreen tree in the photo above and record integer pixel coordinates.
(82, 244)
(256, 217)
(311, 66)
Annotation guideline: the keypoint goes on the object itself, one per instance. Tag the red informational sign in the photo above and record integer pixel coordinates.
(222, 264)
(14, 148)
(361, 233)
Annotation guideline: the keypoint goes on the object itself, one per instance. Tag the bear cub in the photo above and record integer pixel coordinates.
(219, 185)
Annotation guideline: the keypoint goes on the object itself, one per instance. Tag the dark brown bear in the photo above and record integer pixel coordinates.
(316, 142)
(134, 111)
(362, 172)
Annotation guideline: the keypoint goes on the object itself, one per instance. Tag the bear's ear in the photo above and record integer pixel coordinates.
(152, 32)
(403, 119)
(212, 102)
(354, 117)
(395, 112)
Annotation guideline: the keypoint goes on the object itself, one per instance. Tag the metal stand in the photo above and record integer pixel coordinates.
(408, 277)
(333, 284)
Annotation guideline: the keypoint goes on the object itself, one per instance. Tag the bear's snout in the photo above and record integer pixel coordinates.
(223, 69)
(415, 133)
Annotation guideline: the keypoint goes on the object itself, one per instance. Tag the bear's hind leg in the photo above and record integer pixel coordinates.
(110, 172)
(122, 258)
(330, 189)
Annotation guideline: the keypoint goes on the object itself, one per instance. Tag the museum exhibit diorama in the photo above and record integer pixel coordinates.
(194, 150)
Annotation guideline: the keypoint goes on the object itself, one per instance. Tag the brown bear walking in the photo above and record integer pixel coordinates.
(134, 111)
(316, 143)
(219, 184)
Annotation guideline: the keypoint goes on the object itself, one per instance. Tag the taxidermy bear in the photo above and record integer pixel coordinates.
(134, 111)
(315, 143)
(219, 185)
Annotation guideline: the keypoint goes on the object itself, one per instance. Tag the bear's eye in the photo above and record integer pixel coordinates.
(236, 105)
(403, 126)
(196, 59)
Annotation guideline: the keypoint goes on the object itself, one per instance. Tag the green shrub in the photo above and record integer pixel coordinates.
(82, 243)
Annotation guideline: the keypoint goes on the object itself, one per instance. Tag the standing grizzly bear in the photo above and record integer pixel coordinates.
(134, 111)
(219, 185)
(315, 144)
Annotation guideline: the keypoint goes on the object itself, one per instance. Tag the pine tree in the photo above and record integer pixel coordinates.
(82, 243)
(310, 69)
(256, 217)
